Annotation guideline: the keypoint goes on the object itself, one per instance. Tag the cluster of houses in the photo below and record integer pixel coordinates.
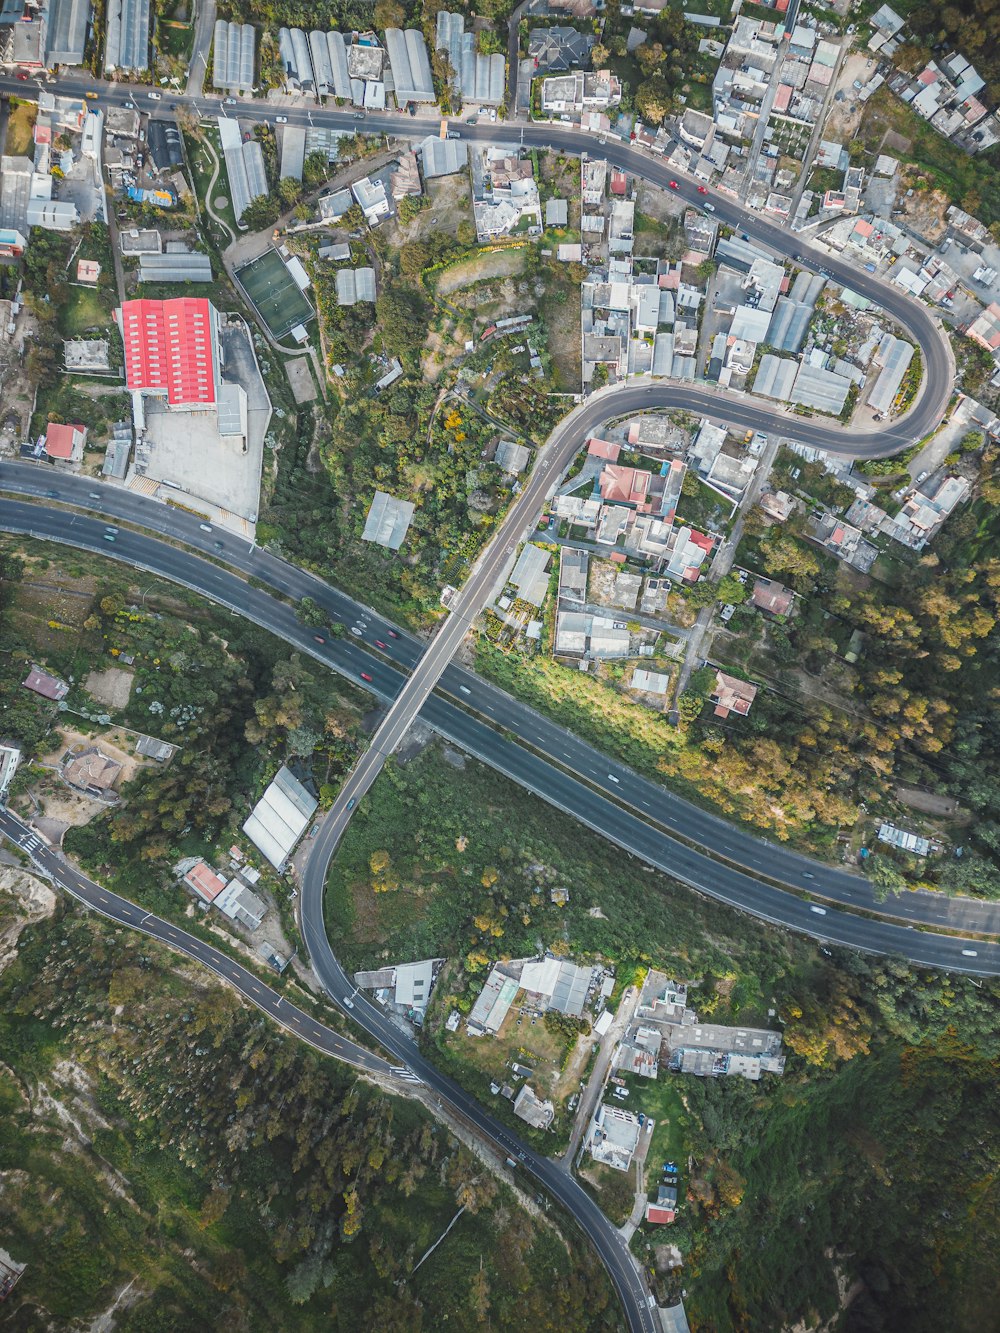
(233, 897)
(946, 92)
(545, 983)
(356, 68)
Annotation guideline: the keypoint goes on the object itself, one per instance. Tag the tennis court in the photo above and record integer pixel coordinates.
(271, 288)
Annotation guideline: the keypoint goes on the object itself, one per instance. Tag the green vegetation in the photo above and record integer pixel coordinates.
(972, 182)
(887, 1100)
(235, 1176)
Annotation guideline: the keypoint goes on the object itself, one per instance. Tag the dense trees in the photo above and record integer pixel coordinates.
(263, 1176)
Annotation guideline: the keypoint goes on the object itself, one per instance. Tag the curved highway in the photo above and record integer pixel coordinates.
(560, 786)
(52, 866)
(725, 841)
(691, 866)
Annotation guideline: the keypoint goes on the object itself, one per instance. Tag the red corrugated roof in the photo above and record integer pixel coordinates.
(171, 345)
(205, 882)
(782, 97)
(619, 182)
(654, 1213)
(604, 449)
(59, 439)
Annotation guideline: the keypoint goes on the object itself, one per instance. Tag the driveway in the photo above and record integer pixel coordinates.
(595, 1087)
(204, 31)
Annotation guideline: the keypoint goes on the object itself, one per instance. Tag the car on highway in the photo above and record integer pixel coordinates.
(970, 953)
(465, 689)
(92, 495)
(380, 644)
(360, 116)
(109, 536)
(53, 495)
(351, 803)
(674, 185)
(281, 120)
(230, 101)
(356, 631)
(612, 778)
(367, 677)
(154, 97)
(709, 208)
(205, 527)
(218, 546)
(319, 638)
(109, 528)
(820, 911)
(349, 1002)
(702, 189)
(91, 97)
(393, 634)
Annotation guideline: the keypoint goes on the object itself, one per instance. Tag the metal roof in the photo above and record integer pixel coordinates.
(788, 326)
(127, 44)
(337, 52)
(443, 157)
(192, 267)
(821, 389)
(355, 284)
(388, 520)
(775, 377)
(280, 817)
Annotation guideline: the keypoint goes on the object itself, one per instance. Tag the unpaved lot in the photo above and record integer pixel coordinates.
(111, 687)
(480, 268)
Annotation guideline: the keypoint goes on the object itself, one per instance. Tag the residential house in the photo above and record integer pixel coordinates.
(592, 91)
(553, 50)
(732, 696)
(664, 1210)
(539, 1114)
(773, 598)
(49, 687)
(65, 443)
(372, 199)
(90, 770)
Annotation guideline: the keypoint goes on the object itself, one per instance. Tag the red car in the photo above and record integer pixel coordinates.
(319, 638)
(380, 644)
(365, 676)
(674, 185)
(702, 190)
(393, 634)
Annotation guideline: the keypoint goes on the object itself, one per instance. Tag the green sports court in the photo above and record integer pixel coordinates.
(274, 293)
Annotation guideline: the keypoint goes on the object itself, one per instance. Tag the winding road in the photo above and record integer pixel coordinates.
(630, 811)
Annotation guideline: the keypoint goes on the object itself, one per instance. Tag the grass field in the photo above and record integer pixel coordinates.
(20, 129)
(274, 294)
(85, 310)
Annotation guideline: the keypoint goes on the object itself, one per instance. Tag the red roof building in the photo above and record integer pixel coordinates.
(654, 1213)
(624, 485)
(205, 882)
(172, 348)
(619, 184)
(65, 442)
(49, 687)
(604, 449)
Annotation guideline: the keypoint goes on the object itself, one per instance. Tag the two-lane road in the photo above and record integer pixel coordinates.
(56, 868)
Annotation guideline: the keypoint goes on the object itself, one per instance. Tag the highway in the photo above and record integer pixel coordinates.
(732, 843)
(408, 695)
(54, 867)
(565, 787)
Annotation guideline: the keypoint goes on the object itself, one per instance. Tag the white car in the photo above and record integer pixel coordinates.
(820, 911)
(153, 97)
(281, 120)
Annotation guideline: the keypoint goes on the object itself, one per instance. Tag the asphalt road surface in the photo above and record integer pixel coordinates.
(624, 823)
(564, 750)
(52, 866)
(407, 697)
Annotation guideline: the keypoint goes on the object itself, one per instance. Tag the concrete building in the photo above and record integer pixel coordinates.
(614, 1136)
(493, 1003)
(539, 1114)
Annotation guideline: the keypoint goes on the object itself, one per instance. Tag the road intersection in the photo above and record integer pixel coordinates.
(409, 695)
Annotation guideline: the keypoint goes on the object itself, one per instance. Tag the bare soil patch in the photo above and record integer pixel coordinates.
(480, 268)
(112, 686)
(301, 380)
